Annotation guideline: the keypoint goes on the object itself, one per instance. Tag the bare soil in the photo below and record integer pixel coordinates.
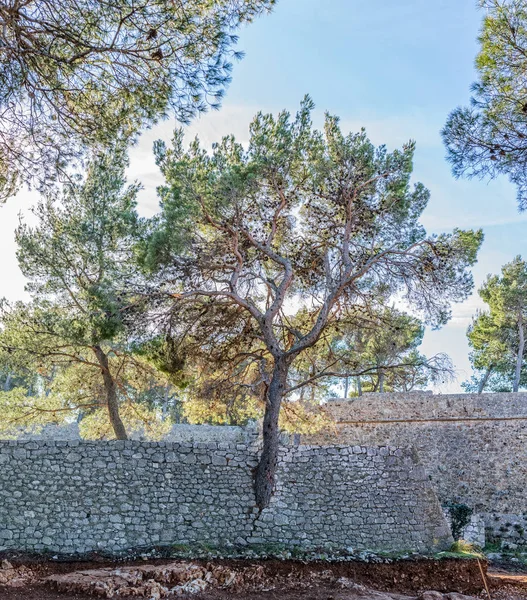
(289, 580)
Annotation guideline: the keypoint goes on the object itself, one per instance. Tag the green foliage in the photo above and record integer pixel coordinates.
(20, 411)
(460, 517)
(462, 549)
(493, 353)
(70, 387)
(84, 73)
(382, 348)
(506, 295)
(494, 335)
(78, 259)
(167, 357)
(227, 410)
(490, 137)
(140, 423)
(320, 221)
(83, 244)
(74, 259)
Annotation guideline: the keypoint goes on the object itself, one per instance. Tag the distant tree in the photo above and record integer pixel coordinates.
(74, 73)
(14, 375)
(497, 381)
(493, 352)
(375, 350)
(77, 259)
(490, 137)
(382, 348)
(497, 337)
(507, 298)
(68, 387)
(299, 219)
(396, 336)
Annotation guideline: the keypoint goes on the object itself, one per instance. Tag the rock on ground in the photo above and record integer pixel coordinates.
(155, 582)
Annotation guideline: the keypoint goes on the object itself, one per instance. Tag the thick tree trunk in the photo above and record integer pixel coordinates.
(519, 358)
(483, 382)
(359, 386)
(111, 395)
(266, 469)
(346, 385)
(381, 382)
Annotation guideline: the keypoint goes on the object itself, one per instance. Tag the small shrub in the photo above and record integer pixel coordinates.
(460, 517)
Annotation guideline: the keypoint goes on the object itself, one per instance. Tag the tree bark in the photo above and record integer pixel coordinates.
(519, 358)
(483, 382)
(346, 384)
(381, 382)
(266, 469)
(111, 395)
(359, 386)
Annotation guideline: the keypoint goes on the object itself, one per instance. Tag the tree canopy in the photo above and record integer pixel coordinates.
(74, 73)
(382, 350)
(300, 219)
(490, 137)
(78, 258)
(493, 346)
(497, 336)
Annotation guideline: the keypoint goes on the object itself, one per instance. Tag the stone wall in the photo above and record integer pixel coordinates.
(51, 431)
(179, 432)
(232, 434)
(74, 497)
(474, 448)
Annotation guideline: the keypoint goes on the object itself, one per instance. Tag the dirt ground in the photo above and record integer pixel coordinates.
(27, 579)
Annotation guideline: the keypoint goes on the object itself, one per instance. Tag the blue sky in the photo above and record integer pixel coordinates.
(396, 68)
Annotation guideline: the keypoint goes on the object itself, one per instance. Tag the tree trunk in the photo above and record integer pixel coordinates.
(51, 378)
(346, 384)
(111, 395)
(7, 383)
(359, 386)
(483, 382)
(519, 358)
(266, 469)
(381, 382)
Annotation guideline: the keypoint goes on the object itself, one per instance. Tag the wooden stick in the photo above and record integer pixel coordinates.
(484, 578)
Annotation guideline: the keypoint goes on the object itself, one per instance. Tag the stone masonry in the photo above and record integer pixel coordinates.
(473, 447)
(73, 497)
